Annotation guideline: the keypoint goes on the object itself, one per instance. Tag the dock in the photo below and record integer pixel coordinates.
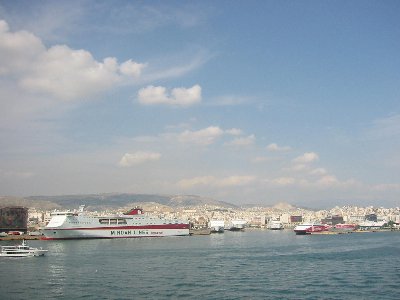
(20, 237)
(200, 231)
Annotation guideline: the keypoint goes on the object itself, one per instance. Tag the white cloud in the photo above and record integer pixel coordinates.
(318, 171)
(235, 181)
(153, 95)
(386, 127)
(136, 158)
(283, 181)
(178, 97)
(204, 137)
(321, 183)
(386, 187)
(131, 68)
(176, 65)
(186, 97)
(299, 167)
(58, 71)
(191, 182)
(243, 141)
(275, 148)
(306, 158)
(234, 131)
(260, 159)
(16, 174)
(229, 101)
(230, 181)
(328, 180)
(17, 50)
(210, 134)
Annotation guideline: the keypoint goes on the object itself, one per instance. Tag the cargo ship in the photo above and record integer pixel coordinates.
(133, 224)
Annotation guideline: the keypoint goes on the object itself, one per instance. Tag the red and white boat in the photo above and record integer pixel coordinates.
(78, 225)
(345, 227)
(308, 228)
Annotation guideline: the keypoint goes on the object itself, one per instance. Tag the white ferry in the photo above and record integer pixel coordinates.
(78, 225)
(22, 250)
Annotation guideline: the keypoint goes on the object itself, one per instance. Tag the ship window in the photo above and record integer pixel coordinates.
(113, 221)
(104, 221)
(121, 221)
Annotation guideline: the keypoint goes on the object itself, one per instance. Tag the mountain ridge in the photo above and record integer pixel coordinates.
(110, 201)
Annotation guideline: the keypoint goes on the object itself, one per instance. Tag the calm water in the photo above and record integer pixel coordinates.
(255, 264)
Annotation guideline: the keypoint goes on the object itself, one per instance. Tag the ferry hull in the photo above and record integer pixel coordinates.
(26, 254)
(309, 229)
(93, 233)
(217, 229)
(72, 225)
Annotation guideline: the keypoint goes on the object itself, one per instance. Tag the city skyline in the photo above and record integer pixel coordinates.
(244, 102)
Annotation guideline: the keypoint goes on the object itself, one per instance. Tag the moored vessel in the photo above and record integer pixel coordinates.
(79, 225)
(308, 228)
(275, 225)
(344, 227)
(217, 226)
(237, 225)
(22, 250)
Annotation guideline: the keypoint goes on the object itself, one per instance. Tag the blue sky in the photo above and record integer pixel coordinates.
(241, 101)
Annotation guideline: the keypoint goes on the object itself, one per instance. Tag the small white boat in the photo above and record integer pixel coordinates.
(22, 250)
(217, 226)
(237, 225)
(275, 225)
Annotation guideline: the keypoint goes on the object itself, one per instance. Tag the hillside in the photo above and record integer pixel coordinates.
(109, 201)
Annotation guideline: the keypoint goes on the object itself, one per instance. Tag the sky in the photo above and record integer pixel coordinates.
(249, 102)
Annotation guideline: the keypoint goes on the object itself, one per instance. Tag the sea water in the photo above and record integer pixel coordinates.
(254, 264)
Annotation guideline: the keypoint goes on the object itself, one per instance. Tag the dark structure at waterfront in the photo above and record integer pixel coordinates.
(296, 219)
(13, 218)
(333, 220)
(371, 217)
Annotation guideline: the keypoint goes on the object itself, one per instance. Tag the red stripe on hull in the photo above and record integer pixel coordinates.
(107, 238)
(166, 226)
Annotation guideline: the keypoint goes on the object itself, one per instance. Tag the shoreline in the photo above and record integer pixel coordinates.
(20, 237)
(207, 232)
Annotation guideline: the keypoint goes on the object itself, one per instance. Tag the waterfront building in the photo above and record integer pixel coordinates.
(285, 218)
(296, 219)
(371, 217)
(333, 220)
(257, 221)
(368, 225)
(14, 218)
(356, 218)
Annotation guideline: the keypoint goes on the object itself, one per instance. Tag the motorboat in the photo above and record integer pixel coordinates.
(22, 250)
